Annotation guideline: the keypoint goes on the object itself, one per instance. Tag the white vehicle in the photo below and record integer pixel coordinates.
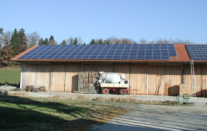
(112, 81)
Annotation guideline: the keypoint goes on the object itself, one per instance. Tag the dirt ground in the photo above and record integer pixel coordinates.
(153, 117)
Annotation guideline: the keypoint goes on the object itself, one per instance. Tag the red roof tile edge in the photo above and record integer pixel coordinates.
(21, 54)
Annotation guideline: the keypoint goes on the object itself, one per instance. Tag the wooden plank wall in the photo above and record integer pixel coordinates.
(163, 74)
(204, 80)
(42, 73)
(39, 74)
(97, 68)
(35, 75)
(156, 74)
(71, 83)
(173, 76)
(57, 78)
(122, 68)
(138, 79)
(187, 78)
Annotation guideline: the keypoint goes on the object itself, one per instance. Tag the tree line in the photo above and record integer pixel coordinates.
(14, 43)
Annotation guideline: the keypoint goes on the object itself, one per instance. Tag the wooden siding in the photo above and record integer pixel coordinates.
(138, 79)
(42, 73)
(204, 80)
(173, 77)
(71, 83)
(35, 75)
(166, 75)
(187, 78)
(57, 77)
(97, 68)
(64, 77)
(122, 68)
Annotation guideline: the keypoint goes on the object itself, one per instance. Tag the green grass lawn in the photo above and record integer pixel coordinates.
(18, 113)
(9, 75)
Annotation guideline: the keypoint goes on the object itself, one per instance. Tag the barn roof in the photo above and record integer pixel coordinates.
(181, 55)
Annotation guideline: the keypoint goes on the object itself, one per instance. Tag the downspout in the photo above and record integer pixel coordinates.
(201, 80)
(147, 79)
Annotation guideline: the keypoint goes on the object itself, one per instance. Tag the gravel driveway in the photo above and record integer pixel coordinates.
(150, 117)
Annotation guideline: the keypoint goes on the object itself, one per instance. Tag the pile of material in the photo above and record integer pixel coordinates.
(7, 87)
(87, 82)
(36, 89)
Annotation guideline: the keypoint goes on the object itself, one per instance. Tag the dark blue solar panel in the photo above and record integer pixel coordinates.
(71, 57)
(155, 57)
(140, 57)
(115, 51)
(124, 57)
(78, 57)
(64, 57)
(101, 57)
(197, 52)
(35, 57)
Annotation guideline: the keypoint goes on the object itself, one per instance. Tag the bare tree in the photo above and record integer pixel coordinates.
(80, 41)
(142, 41)
(69, 41)
(32, 39)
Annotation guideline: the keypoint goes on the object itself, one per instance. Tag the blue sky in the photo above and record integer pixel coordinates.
(133, 19)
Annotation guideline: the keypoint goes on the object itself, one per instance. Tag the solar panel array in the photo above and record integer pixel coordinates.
(111, 51)
(197, 52)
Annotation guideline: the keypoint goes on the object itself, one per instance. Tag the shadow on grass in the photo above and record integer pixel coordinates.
(18, 113)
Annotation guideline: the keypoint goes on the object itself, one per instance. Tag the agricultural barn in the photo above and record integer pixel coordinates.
(159, 69)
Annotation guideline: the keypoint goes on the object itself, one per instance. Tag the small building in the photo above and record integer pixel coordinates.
(154, 72)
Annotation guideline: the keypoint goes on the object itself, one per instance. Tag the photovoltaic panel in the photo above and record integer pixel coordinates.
(197, 52)
(110, 52)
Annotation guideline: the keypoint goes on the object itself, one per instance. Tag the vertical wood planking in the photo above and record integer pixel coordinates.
(29, 75)
(198, 79)
(138, 79)
(151, 80)
(97, 68)
(42, 75)
(204, 87)
(57, 78)
(122, 68)
(71, 83)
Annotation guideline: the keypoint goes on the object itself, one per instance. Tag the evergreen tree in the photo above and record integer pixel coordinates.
(92, 42)
(22, 39)
(75, 42)
(107, 42)
(63, 42)
(100, 41)
(117, 42)
(84, 43)
(1, 30)
(51, 37)
(41, 42)
(1, 39)
(52, 41)
(45, 41)
(14, 42)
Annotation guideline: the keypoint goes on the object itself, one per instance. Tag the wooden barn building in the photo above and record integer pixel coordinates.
(41, 65)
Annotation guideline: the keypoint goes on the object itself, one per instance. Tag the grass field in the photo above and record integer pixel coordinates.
(19, 113)
(9, 75)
